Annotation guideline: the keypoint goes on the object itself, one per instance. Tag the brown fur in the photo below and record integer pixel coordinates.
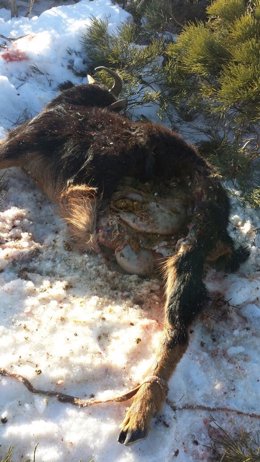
(78, 208)
(78, 150)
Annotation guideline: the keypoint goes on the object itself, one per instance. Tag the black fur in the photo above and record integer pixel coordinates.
(83, 142)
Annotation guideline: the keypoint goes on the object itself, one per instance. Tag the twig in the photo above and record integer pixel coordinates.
(201, 407)
(12, 39)
(64, 398)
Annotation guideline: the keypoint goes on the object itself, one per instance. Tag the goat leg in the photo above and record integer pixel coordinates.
(152, 393)
(185, 295)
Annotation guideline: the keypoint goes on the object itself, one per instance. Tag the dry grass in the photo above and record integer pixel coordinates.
(237, 446)
(8, 457)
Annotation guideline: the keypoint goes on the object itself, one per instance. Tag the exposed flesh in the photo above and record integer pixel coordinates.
(142, 224)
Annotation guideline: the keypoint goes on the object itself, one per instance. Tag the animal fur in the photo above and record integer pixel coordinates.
(78, 150)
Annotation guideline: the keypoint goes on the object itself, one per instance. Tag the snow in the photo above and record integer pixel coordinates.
(70, 323)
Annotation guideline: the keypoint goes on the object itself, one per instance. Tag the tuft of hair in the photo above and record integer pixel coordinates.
(65, 85)
(78, 208)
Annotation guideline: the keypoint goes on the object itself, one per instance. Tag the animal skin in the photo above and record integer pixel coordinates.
(78, 150)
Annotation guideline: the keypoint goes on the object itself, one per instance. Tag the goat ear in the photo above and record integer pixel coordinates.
(91, 79)
(78, 208)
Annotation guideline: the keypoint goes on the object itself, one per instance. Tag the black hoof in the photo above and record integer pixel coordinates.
(129, 437)
(231, 263)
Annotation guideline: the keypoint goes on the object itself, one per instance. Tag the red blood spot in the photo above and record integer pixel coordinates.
(14, 55)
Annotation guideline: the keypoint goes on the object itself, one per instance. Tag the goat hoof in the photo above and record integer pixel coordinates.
(146, 404)
(128, 437)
